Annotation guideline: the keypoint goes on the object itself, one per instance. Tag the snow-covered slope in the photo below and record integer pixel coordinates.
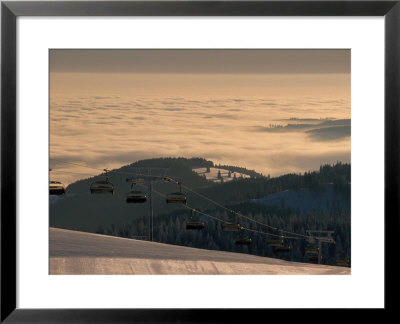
(225, 175)
(73, 252)
(307, 200)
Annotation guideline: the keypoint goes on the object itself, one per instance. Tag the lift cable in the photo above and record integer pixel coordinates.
(244, 228)
(221, 220)
(241, 215)
(234, 212)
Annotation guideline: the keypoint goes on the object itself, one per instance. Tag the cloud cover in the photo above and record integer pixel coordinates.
(113, 131)
(317, 130)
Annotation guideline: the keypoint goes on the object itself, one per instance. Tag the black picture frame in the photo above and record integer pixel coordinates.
(10, 10)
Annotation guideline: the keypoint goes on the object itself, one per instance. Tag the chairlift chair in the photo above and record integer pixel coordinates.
(102, 186)
(176, 197)
(276, 242)
(279, 244)
(343, 263)
(136, 196)
(193, 224)
(56, 188)
(231, 227)
(312, 250)
(243, 241)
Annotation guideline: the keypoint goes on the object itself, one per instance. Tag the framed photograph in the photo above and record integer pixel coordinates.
(176, 160)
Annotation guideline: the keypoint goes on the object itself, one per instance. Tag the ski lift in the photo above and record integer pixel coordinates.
(279, 244)
(343, 263)
(176, 197)
(311, 250)
(102, 186)
(56, 188)
(194, 225)
(276, 242)
(243, 240)
(231, 227)
(135, 196)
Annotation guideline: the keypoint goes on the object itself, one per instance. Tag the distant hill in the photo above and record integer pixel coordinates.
(80, 210)
(177, 168)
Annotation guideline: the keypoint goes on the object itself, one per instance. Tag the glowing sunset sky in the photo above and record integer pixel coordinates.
(274, 111)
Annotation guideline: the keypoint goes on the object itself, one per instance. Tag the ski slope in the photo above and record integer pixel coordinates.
(212, 175)
(73, 252)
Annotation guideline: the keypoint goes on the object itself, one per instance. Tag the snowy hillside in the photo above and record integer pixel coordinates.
(305, 200)
(219, 175)
(73, 252)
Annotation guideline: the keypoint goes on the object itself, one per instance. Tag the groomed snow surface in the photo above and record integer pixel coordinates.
(212, 175)
(73, 252)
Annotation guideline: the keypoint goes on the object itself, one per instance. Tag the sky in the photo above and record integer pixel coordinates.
(273, 111)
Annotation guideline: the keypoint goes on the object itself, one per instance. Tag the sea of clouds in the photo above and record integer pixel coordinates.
(270, 135)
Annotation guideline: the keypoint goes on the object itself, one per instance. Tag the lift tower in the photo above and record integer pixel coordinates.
(320, 237)
(148, 180)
